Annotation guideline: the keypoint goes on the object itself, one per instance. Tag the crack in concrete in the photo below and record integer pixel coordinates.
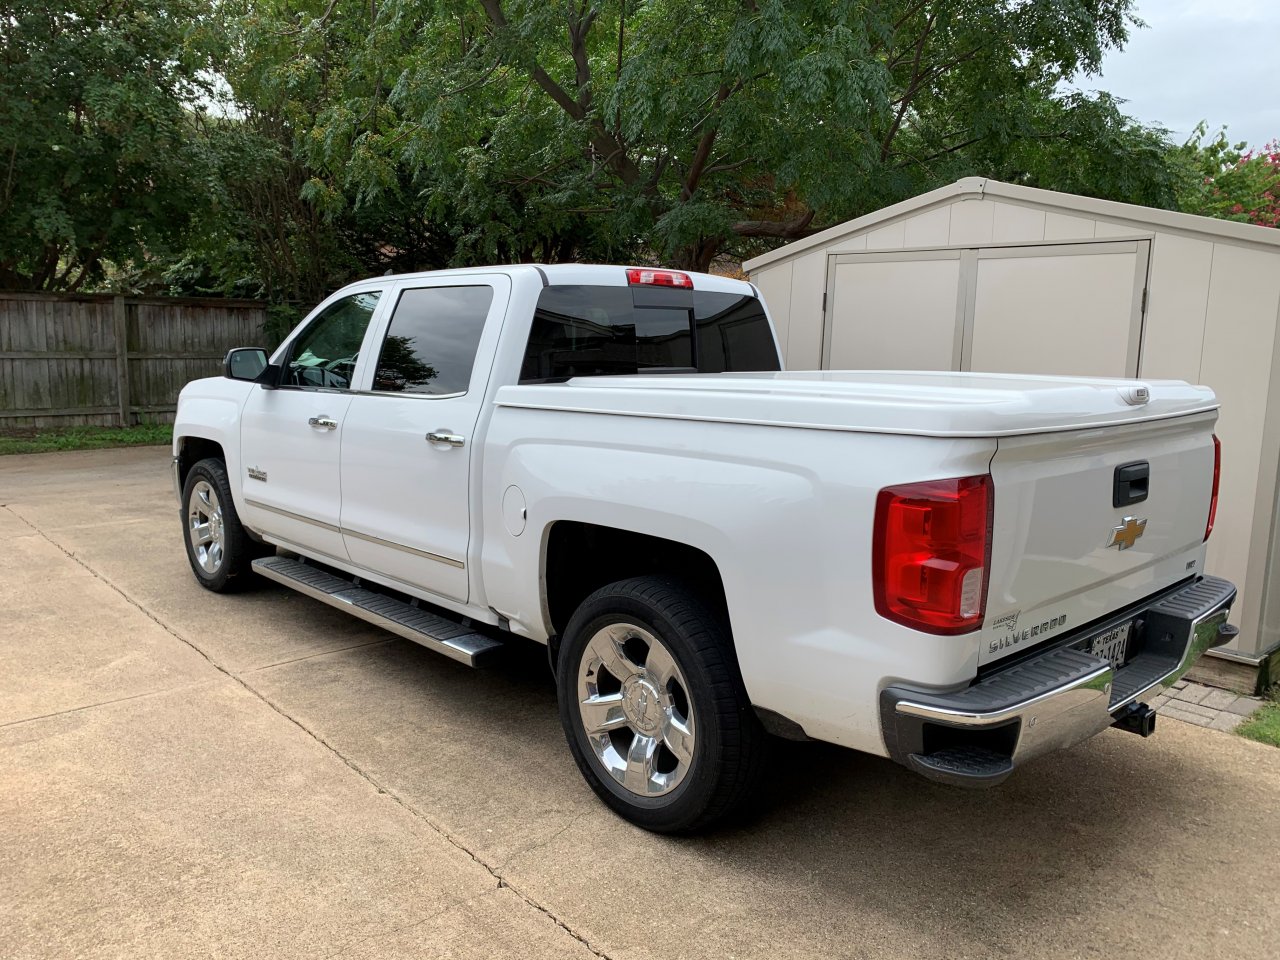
(103, 703)
(439, 829)
(539, 844)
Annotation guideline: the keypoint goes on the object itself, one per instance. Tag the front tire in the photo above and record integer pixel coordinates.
(654, 708)
(219, 549)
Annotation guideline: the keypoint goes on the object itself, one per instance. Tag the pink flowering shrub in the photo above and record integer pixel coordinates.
(1229, 181)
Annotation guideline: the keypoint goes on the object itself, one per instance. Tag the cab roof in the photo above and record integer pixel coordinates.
(558, 274)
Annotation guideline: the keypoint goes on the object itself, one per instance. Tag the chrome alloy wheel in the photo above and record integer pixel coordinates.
(633, 702)
(204, 520)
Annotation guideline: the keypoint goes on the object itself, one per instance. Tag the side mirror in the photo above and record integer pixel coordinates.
(249, 364)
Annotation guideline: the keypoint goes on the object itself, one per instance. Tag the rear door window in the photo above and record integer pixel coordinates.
(583, 331)
(430, 346)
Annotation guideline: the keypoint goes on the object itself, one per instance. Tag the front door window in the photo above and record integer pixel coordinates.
(324, 355)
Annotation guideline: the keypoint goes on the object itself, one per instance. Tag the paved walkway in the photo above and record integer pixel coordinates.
(1206, 706)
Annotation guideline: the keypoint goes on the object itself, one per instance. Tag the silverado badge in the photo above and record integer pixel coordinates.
(256, 474)
(1127, 534)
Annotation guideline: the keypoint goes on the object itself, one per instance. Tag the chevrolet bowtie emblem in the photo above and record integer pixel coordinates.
(1127, 534)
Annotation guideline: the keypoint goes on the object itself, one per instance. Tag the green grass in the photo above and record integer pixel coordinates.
(46, 440)
(1264, 726)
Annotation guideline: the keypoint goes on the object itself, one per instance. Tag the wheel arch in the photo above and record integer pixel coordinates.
(579, 557)
(190, 450)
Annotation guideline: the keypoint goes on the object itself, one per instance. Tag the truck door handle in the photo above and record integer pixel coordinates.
(450, 438)
(325, 423)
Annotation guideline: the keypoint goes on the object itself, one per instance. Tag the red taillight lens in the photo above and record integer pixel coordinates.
(1213, 500)
(931, 552)
(659, 278)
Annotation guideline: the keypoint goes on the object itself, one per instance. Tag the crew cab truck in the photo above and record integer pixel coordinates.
(957, 571)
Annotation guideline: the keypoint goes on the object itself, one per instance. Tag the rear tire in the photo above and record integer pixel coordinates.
(219, 549)
(654, 708)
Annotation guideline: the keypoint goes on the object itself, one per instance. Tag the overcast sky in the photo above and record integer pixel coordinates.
(1214, 60)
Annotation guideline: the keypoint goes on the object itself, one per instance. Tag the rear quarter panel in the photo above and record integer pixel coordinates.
(785, 513)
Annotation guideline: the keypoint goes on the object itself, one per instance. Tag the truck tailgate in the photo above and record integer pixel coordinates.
(1063, 554)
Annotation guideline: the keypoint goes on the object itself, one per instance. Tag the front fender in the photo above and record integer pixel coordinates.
(209, 409)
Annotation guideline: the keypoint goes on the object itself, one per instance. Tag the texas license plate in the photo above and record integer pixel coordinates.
(1112, 644)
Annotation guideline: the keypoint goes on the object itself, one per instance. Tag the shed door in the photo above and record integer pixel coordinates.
(893, 311)
(1073, 309)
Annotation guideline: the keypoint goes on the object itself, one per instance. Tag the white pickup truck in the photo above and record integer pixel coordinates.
(957, 571)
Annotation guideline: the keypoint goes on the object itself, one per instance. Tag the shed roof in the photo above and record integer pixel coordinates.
(976, 188)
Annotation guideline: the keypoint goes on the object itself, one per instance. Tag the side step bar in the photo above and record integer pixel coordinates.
(429, 629)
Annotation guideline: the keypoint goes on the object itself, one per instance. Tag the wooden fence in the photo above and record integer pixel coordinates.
(104, 360)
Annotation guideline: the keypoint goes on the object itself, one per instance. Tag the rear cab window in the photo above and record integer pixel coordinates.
(581, 330)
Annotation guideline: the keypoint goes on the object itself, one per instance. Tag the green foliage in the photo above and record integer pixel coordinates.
(96, 154)
(1084, 144)
(365, 137)
(281, 318)
(1264, 725)
(526, 129)
(261, 236)
(1228, 181)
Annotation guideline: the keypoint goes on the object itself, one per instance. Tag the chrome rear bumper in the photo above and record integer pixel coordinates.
(978, 735)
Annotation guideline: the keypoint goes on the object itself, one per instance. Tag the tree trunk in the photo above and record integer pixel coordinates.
(697, 256)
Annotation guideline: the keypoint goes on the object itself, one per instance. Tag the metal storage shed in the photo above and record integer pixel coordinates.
(984, 275)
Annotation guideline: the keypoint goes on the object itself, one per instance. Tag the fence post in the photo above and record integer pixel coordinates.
(123, 393)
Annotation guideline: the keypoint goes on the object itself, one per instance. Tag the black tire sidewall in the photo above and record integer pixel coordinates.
(683, 807)
(235, 550)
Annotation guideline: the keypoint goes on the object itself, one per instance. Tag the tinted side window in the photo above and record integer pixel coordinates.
(583, 331)
(431, 344)
(325, 353)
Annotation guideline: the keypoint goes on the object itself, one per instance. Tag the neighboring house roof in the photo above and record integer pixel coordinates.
(976, 188)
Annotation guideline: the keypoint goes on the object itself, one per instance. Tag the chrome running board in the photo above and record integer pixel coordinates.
(433, 631)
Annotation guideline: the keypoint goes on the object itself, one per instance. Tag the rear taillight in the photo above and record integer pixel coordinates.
(931, 553)
(644, 277)
(1213, 500)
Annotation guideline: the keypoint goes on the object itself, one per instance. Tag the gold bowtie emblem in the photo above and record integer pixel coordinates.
(1127, 534)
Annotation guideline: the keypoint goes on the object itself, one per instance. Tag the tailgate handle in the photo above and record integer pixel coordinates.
(1131, 484)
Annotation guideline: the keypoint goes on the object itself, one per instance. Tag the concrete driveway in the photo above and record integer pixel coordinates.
(184, 774)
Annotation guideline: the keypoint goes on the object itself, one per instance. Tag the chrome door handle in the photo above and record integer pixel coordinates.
(450, 438)
(326, 423)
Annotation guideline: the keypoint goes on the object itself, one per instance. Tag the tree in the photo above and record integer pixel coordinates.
(277, 228)
(365, 136)
(1229, 181)
(96, 154)
(687, 129)
(261, 236)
